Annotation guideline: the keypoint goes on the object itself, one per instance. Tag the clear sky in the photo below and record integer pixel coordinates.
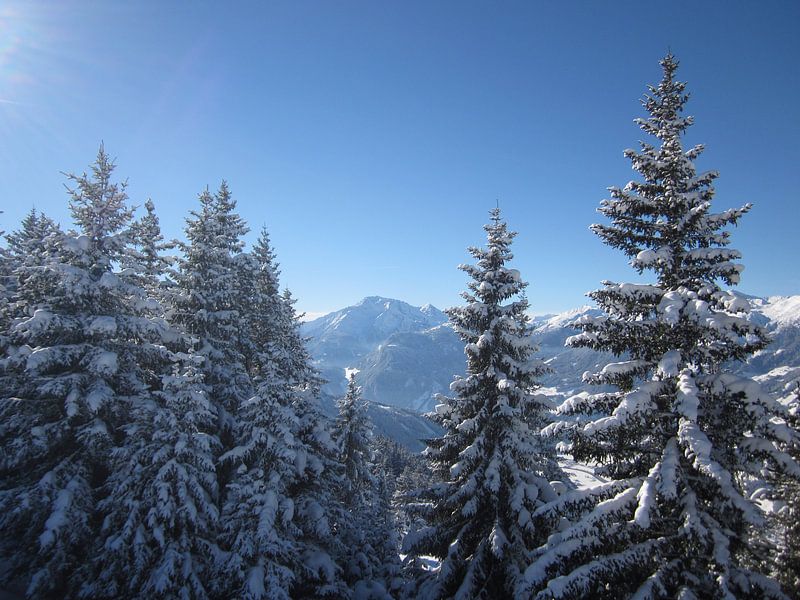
(372, 138)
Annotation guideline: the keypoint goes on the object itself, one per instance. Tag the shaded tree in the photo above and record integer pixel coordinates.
(496, 469)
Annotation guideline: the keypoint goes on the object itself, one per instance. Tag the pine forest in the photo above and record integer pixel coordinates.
(162, 434)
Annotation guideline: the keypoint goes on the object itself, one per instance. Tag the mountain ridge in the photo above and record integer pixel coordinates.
(406, 355)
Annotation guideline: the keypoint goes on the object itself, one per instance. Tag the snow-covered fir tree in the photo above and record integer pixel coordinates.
(279, 514)
(496, 469)
(401, 473)
(259, 532)
(29, 248)
(81, 357)
(160, 515)
(787, 565)
(159, 508)
(206, 303)
(682, 438)
(385, 535)
(314, 490)
(269, 322)
(146, 259)
(33, 243)
(352, 432)
(371, 564)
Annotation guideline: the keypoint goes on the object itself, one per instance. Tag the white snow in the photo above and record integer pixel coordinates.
(783, 310)
(668, 366)
(102, 326)
(582, 475)
(105, 363)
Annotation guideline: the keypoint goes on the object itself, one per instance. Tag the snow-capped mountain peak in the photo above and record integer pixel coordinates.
(782, 310)
(374, 317)
(563, 319)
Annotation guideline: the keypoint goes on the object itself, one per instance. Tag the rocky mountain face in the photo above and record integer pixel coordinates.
(405, 355)
(406, 427)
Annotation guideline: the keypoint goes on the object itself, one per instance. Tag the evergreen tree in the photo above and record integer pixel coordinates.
(259, 530)
(298, 362)
(318, 514)
(496, 468)
(81, 357)
(681, 437)
(22, 266)
(787, 567)
(352, 432)
(371, 560)
(161, 516)
(145, 258)
(32, 245)
(262, 309)
(160, 513)
(262, 550)
(206, 303)
(281, 458)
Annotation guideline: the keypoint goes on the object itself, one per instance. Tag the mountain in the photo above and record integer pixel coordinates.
(408, 369)
(376, 337)
(567, 364)
(354, 331)
(405, 355)
(405, 427)
(779, 363)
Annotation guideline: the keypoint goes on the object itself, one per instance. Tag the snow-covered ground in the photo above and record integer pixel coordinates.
(582, 475)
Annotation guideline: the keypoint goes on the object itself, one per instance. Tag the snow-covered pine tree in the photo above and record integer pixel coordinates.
(206, 302)
(682, 437)
(258, 532)
(262, 308)
(299, 366)
(400, 473)
(371, 561)
(29, 249)
(279, 512)
(146, 258)
(27, 269)
(160, 516)
(386, 539)
(32, 244)
(80, 354)
(318, 477)
(352, 432)
(787, 565)
(410, 474)
(496, 468)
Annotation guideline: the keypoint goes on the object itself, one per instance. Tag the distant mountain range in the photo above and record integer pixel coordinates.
(404, 355)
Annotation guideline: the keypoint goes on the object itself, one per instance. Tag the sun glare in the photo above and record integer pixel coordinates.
(18, 45)
(32, 52)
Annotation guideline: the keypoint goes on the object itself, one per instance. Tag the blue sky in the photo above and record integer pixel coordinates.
(372, 138)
